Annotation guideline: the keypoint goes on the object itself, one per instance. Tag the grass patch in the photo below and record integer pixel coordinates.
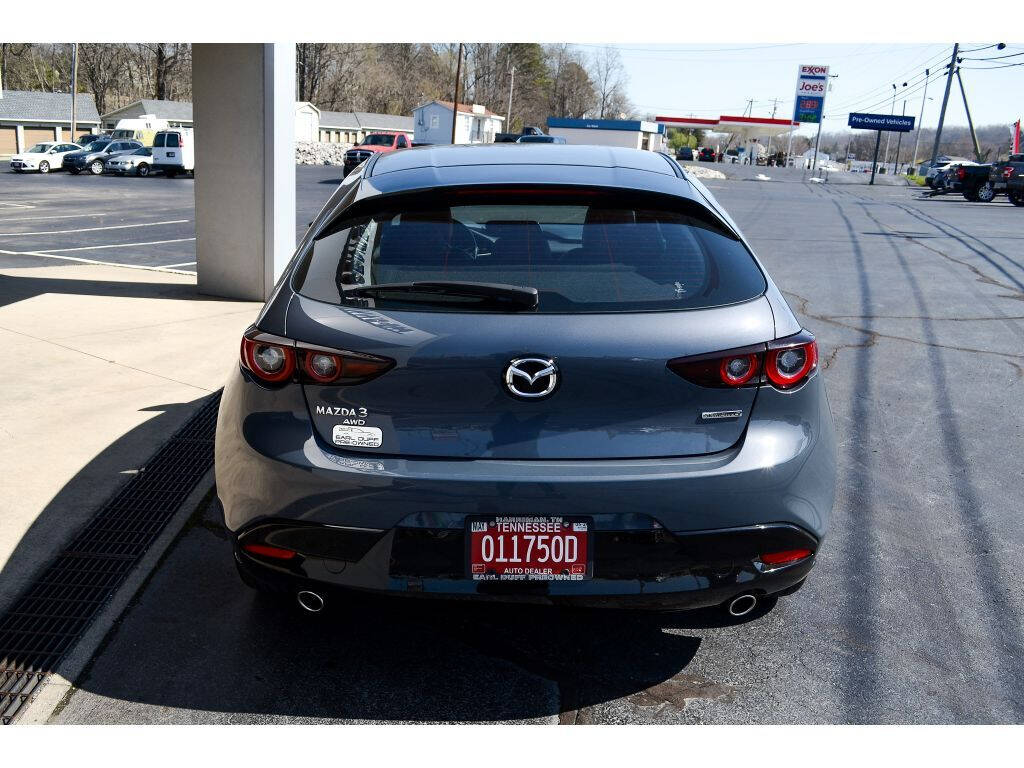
(913, 179)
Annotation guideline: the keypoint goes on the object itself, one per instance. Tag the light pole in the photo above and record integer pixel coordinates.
(892, 111)
(455, 105)
(899, 140)
(74, 91)
(924, 96)
(508, 115)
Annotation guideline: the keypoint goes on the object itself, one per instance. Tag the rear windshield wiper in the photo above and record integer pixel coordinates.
(429, 291)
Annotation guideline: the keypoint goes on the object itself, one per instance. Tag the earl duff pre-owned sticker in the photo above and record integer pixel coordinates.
(359, 437)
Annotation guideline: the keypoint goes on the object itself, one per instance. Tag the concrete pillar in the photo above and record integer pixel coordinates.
(19, 137)
(243, 98)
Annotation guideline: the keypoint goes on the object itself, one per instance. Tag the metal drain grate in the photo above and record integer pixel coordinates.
(49, 617)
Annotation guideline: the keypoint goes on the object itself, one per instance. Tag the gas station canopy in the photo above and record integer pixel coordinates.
(742, 128)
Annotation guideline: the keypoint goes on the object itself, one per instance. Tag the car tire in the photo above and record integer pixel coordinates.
(986, 193)
(142, 170)
(930, 183)
(170, 174)
(96, 168)
(1017, 199)
(44, 167)
(74, 171)
(971, 195)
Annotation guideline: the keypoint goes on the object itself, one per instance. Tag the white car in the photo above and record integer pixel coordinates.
(43, 157)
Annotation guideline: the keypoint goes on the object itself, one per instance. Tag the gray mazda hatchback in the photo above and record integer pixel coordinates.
(536, 373)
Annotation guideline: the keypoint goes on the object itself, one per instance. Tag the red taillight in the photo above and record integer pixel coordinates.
(786, 557)
(274, 360)
(732, 368)
(1008, 171)
(789, 365)
(269, 361)
(738, 370)
(265, 550)
(961, 173)
(783, 363)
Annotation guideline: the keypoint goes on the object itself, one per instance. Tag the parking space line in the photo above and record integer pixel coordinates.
(183, 264)
(95, 229)
(16, 205)
(80, 260)
(61, 216)
(115, 245)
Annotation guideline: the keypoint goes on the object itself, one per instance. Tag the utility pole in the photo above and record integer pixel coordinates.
(924, 96)
(945, 101)
(821, 119)
(970, 123)
(899, 140)
(892, 111)
(775, 106)
(455, 103)
(508, 115)
(74, 91)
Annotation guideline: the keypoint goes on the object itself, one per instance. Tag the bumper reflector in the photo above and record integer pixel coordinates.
(786, 557)
(265, 550)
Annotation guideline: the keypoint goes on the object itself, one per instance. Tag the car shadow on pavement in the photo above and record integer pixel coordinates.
(81, 497)
(15, 288)
(196, 645)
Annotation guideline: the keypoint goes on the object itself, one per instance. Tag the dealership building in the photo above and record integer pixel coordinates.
(634, 134)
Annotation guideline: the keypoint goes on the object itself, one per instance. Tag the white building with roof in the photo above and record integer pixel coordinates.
(178, 114)
(476, 124)
(352, 127)
(28, 117)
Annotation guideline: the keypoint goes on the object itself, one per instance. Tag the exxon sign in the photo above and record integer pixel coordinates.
(811, 85)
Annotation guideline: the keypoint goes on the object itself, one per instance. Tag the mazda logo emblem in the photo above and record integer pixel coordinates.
(531, 377)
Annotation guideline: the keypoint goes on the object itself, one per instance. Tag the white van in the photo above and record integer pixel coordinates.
(142, 128)
(174, 152)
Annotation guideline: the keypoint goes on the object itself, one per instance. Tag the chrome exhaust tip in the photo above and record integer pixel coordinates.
(310, 601)
(741, 605)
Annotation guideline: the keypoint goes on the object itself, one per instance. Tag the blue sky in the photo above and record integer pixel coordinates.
(709, 79)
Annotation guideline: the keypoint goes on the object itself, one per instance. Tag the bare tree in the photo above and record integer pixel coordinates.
(610, 81)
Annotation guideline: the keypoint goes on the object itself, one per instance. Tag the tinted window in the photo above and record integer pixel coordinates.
(159, 139)
(402, 142)
(172, 140)
(582, 255)
(378, 140)
(96, 146)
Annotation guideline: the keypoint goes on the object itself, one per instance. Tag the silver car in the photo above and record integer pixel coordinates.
(138, 162)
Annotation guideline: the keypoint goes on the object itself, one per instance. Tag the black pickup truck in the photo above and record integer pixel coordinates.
(1008, 176)
(972, 181)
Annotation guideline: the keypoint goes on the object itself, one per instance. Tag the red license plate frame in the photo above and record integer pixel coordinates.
(513, 556)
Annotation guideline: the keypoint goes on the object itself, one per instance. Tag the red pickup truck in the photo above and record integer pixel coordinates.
(375, 144)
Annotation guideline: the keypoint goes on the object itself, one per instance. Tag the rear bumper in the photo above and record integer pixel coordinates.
(632, 568)
(273, 470)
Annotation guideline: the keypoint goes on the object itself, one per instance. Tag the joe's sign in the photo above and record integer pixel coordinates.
(811, 85)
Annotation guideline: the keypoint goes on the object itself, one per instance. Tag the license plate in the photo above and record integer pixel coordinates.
(529, 549)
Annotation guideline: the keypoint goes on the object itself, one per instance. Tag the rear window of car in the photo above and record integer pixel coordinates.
(582, 252)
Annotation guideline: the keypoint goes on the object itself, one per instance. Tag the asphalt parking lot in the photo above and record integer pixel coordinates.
(129, 221)
(915, 610)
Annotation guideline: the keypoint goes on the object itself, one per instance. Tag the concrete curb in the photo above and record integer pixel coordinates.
(60, 682)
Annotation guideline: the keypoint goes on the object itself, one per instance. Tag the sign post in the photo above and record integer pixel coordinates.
(811, 85)
(879, 123)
